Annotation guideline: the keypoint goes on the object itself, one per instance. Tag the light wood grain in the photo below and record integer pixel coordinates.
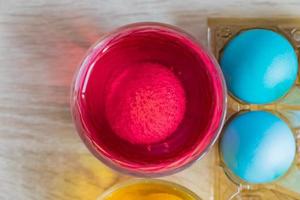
(41, 43)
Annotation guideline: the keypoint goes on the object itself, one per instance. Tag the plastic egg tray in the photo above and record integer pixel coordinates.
(226, 186)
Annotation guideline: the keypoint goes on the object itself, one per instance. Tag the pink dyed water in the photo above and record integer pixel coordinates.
(148, 99)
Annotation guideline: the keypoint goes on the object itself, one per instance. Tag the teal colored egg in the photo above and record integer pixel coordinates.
(258, 147)
(260, 66)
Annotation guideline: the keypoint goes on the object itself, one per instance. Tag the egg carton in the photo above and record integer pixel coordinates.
(226, 186)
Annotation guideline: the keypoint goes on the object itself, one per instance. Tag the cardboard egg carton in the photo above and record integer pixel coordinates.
(220, 31)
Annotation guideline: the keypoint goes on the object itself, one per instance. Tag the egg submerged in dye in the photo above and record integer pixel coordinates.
(258, 147)
(259, 65)
(146, 104)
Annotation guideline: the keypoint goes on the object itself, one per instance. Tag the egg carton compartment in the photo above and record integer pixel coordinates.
(220, 31)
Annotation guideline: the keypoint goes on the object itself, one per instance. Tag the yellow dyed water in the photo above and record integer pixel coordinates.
(151, 190)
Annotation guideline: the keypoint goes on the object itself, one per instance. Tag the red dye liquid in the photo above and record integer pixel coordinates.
(148, 100)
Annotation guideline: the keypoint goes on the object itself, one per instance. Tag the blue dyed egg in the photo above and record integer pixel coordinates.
(258, 147)
(260, 66)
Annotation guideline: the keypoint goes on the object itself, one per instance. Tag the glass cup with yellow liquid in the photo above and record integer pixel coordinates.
(148, 189)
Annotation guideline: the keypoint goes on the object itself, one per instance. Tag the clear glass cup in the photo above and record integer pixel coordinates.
(174, 50)
(150, 187)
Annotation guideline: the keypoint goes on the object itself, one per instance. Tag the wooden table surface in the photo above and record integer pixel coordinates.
(41, 43)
